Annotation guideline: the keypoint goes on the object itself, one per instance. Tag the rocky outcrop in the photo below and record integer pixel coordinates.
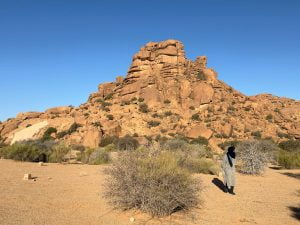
(166, 94)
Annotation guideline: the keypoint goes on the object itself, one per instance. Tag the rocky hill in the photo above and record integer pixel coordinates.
(166, 94)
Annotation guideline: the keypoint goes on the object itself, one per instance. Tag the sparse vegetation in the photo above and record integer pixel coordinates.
(192, 108)
(144, 108)
(47, 134)
(256, 134)
(201, 76)
(109, 96)
(154, 182)
(153, 123)
(195, 117)
(141, 99)
(269, 117)
(254, 155)
(168, 113)
(110, 117)
(127, 143)
(167, 101)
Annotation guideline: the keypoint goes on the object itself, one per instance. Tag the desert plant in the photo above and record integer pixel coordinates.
(167, 101)
(254, 155)
(195, 117)
(153, 123)
(140, 99)
(99, 156)
(127, 143)
(110, 117)
(256, 134)
(202, 165)
(289, 160)
(269, 117)
(109, 96)
(73, 128)
(47, 134)
(58, 153)
(144, 108)
(168, 113)
(152, 182)
(290, 145)
(192, 108)
(109, 140)
(61, 134)
(200, 140)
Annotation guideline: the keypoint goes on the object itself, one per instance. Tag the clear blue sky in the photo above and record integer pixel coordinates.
(56, 52)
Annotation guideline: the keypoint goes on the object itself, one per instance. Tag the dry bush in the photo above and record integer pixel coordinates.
(254, 155)
(99, 156)
(289, 160)
(151, 181)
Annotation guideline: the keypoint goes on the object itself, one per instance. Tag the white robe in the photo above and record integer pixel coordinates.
(228, 171)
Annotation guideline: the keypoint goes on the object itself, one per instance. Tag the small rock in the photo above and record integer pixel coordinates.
(41, 163)
(131, 219)
(27, 176)
(82, 174)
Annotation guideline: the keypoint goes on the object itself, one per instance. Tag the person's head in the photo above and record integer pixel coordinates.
(231, 149)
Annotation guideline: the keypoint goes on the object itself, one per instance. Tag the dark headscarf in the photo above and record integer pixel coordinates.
(231, 153)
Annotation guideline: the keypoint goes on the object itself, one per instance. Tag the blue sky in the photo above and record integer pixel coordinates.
(56, 52)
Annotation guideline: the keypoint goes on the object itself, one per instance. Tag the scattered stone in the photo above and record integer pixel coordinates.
(41, 163)
(27, 176)
(132, 219)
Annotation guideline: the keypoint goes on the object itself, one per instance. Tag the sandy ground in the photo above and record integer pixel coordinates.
(71, 194)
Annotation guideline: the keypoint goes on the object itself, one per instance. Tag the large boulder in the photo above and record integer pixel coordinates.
(199, 130)
(59, 110)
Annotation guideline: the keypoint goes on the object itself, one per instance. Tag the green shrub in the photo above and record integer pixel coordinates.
(61, 134)
(202, 165)
(134, 99)
(47, 134)
(167, 101)
(269, 117)
(195, 117)
(283, 135)
(73, 128)
(127, 143)
(151, 182)
(290, 145)
(58, 153)
(110, 117)
(200, 140)
(144, 108)
(153, 123)
(109, 140)
(105, 104)
(109, 96)
(168, 113)
(256, 134)
(140, 99)
(98, 157)
(288, 159)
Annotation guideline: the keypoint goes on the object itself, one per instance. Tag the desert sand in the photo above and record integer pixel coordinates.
(72, 194)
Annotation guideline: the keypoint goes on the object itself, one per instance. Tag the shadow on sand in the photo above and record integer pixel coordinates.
(219, 184)
(295, 212)
(294, 175)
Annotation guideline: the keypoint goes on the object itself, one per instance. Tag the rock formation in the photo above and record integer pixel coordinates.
(166, 94)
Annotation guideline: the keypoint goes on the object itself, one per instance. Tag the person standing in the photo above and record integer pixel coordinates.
(228, 166)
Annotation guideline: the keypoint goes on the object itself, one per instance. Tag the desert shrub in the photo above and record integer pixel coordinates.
(276, 110)
(256, 134)
(140, 99)
(133, 99)
(168, 113)
(61, 134)
(127, 143)
(269, 117)
(152, 182)
(58, 152)
(109, 96)
(109, 140)
(97, 124)
(78, 147)
(153, 123)
(202, 165)
(200, 140)
(86, 114)
(195, 117)
(289, 160)
(290, 145)
(192, 108)
(98, 157)
(175, 144)
(105, 104)
(73, 128)
(254, 155)
(144, 108)
(47, 134)
(167, 101)
(106, 109)
(283, 135)
(110, 117)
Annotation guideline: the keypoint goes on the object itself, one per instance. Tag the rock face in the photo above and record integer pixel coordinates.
(164, 93)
